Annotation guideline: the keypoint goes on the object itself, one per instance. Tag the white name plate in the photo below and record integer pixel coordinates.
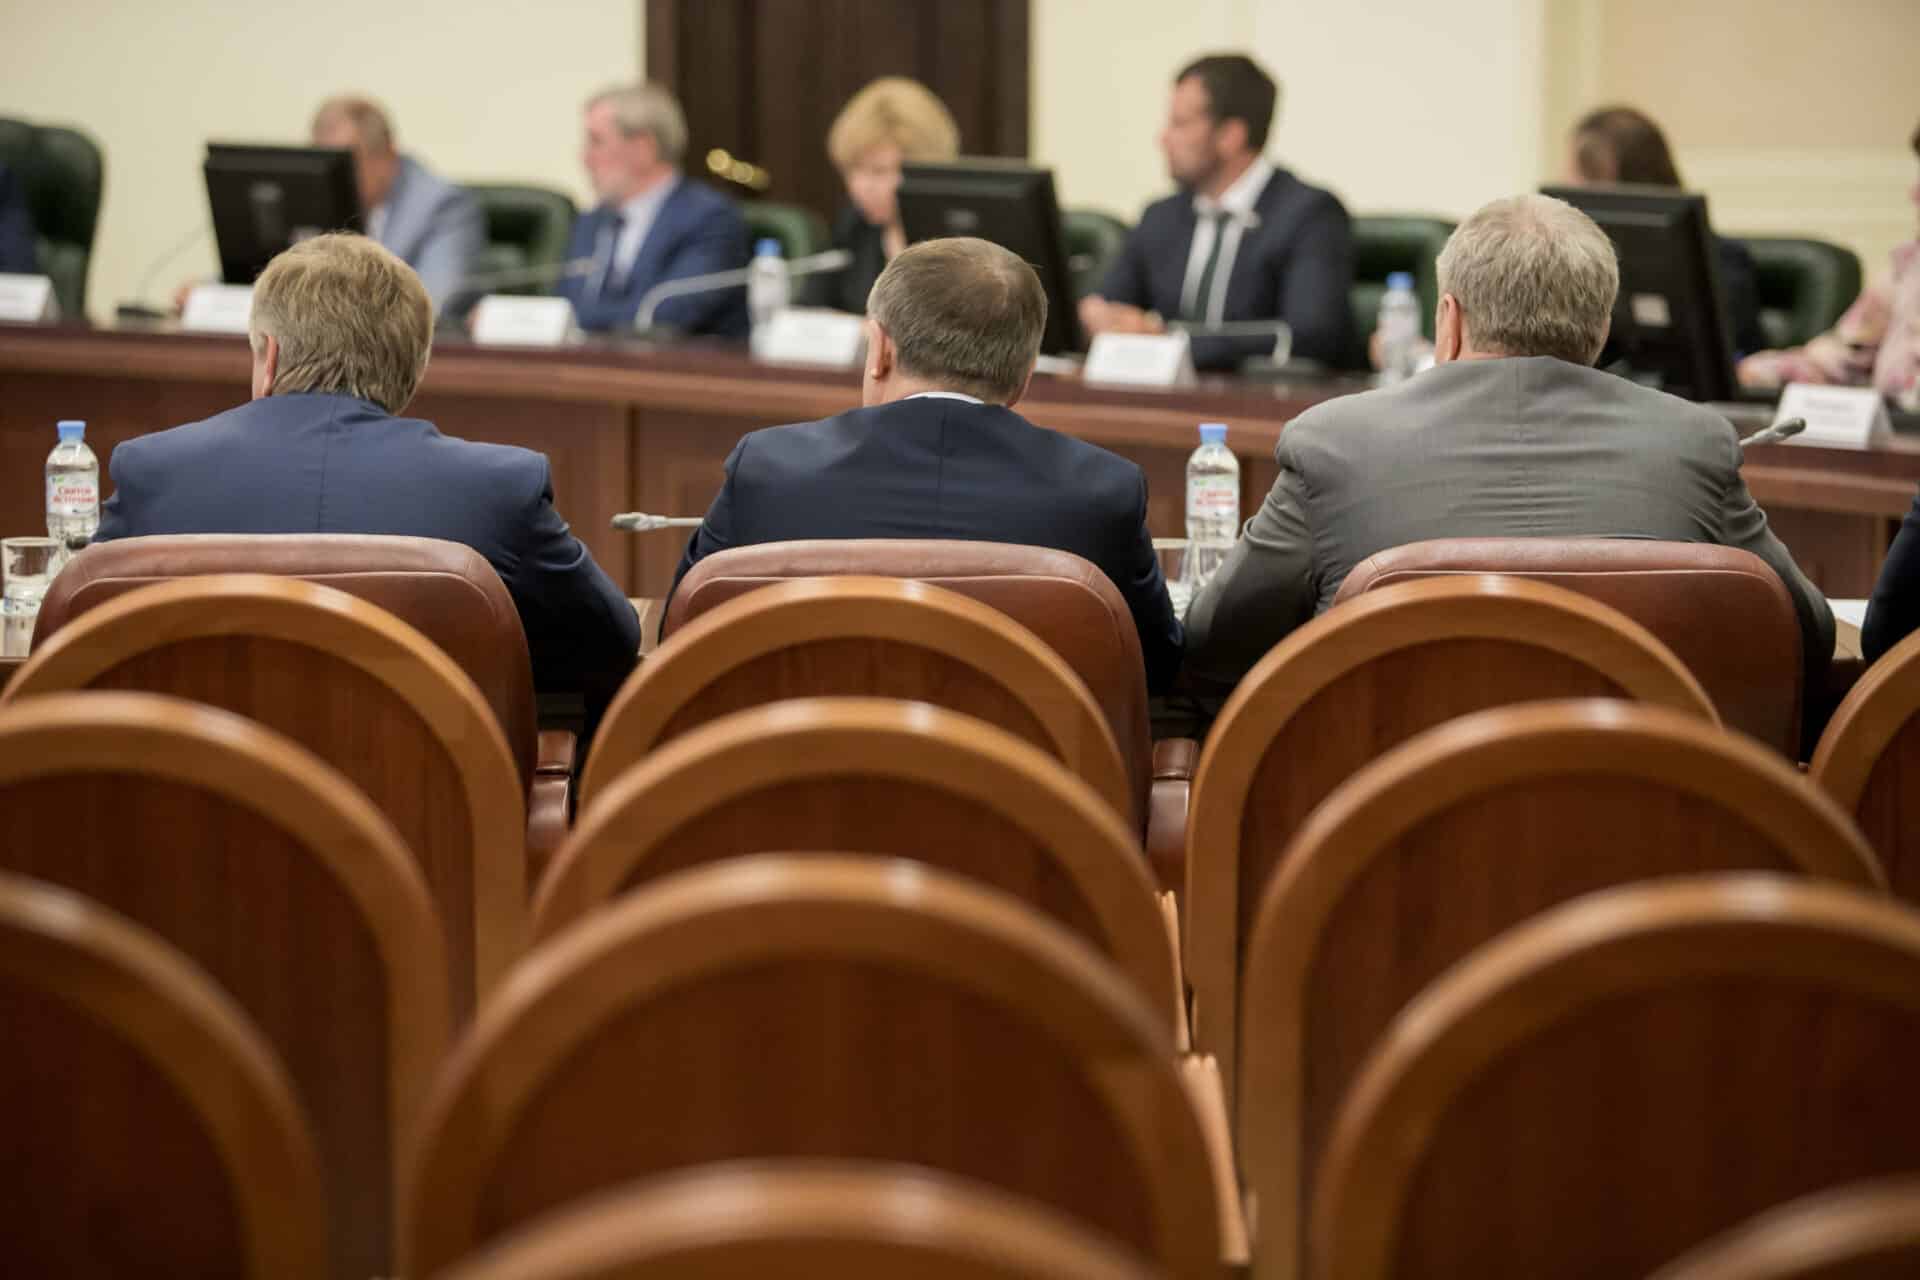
(1837, 417)
(27, 299)
(217, 308)
(1140, 360)
(812, 335)
(501, 319)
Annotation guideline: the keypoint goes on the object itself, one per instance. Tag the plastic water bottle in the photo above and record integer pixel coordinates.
(73, 489)
(1399, 329)
(769, 290)
(1213, 504)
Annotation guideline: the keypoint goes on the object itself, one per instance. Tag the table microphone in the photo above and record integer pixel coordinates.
(641, 522)
(1785, 429)
(135, 309)
(520, 277)
(813, 264)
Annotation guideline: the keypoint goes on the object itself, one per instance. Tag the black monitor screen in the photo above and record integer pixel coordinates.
(1670, 325)
(1004, 201)
(266, 198)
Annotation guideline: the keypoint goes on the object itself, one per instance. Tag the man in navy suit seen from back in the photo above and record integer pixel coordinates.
(1242, 240)
(341, 331)
(651, 224)
(936, 451)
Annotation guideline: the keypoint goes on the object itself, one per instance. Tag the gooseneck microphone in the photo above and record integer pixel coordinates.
(137, 308)
(641, 522)
(736, 278)
(1785, 429)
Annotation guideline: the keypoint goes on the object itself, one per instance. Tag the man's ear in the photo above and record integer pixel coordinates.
(1449, 330)
(1025, 383)
(266, 365)
(880, 351)
(1230, 136)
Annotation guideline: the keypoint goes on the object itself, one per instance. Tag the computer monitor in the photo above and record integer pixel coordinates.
(1670, 326)
(1009, 203)
(266, 198)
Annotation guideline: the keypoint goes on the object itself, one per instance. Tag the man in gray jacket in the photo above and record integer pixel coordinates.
(1513, 433)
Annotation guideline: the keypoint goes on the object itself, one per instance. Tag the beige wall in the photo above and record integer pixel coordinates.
(481, 88)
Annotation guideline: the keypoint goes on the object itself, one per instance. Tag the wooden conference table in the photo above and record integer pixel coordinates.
(646, 428)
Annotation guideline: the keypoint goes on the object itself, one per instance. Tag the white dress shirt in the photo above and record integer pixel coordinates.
(1237, 201)
(944, 395)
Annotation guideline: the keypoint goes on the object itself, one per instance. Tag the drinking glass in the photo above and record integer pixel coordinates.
(1173, 567)
(27, 565)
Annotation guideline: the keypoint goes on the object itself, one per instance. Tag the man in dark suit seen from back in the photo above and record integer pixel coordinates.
(1242, 240)
(936, 450)
(340, 333)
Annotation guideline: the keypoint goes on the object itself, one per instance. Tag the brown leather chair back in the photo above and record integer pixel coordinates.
(1071, 605)
(1862, 1231)
(1869, 760)
(826, 1007)
(277, 878)
(1485, 821)
(1626, 1076)
(1353, 683)
(846, 1219)
(1722, 611)
(149, 1130)
(444, 590)
(361, 690)
(874, 775)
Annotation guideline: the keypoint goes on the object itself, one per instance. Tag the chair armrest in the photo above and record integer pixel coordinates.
(550, 801)
(1170, 916)
(1173, 762)
(1201, 1075)
(555, 752)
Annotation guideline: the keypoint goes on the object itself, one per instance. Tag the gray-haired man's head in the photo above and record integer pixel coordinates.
(1526, 276)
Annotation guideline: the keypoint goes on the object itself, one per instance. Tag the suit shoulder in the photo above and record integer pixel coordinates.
(1288, 192)
(708, 202)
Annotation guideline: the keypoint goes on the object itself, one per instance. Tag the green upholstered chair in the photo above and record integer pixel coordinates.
(1383, 244)
(62, 173)
(1094, 240)
(799, 231)
(1804, 286)
(527, 228)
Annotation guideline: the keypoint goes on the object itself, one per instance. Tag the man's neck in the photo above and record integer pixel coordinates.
(647, 184)
(1227, 174)
(899, 387)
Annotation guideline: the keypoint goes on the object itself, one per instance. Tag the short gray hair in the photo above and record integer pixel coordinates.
(1534, 276)
(351, 319)
(962, 312)
(647, 108)
(367, 118)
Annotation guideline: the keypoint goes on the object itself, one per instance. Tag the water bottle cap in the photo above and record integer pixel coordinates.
(71, 430)
(1213, 433)
(767, 247)
(1400, 280)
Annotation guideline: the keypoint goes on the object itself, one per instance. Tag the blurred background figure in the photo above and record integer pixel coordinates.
(16, 227)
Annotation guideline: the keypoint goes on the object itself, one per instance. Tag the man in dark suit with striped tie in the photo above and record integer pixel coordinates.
(652, 224)
(1242, 240)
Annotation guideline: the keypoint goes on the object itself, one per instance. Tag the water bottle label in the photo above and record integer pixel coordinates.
(72, 496)
(1206, 497)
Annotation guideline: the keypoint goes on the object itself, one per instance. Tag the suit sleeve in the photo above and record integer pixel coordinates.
(456, 235)
(17, 252)
(1126, 279)
(582, 631)
(1263, 591)
(1744, 525)
(1315, 295)
(716, 530)
(717, 243)
(116, 512)
(1145, 591)
(1894, 611)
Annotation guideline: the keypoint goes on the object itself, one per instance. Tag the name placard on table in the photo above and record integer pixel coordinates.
(217, 308)
(1837, 417)
(27, 299)
(505, 320)
(811, 335)
(1140, 360)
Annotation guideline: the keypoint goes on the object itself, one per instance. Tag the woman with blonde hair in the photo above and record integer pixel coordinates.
(889, 123)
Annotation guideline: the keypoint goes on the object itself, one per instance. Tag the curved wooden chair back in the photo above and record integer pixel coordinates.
(1625, 1076)
(1349, 685)
(1869, 760)
(272, 873)
(1864, 1231)
(749, 1220)
(858, 636)
(872, 775)
(147, 1129)
(1454, 837)
(360, 689)
(859, 1008)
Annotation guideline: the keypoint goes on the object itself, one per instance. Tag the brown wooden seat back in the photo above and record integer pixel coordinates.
(146, 1127)
(1721, 610)
(1862, 1231)
(1349, 685)
(360, 689)
(278, 879)
(860, 636)
(869, 775)
(852, 1221)
(1062, 598)
(1626, 1076)
(859, 1008)
(1869, 760)
(1458, 835)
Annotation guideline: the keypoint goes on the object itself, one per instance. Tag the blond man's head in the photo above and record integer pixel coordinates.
(339, 314)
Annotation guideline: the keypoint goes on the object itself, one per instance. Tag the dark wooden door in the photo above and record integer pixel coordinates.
(763, 79)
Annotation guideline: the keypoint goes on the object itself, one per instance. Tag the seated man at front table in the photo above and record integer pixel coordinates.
(953, 330)
(1513, 433)
(1242, 240)
(429, 223)
(652, 225)
(340, 336)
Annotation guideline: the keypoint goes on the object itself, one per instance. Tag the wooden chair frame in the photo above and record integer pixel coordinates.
(1882, 703)
(1833, 1234)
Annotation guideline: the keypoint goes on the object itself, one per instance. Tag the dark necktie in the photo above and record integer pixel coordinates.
(603, 273)
(1204, 291)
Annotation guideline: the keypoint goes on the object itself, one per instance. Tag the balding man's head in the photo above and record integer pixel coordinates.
(964, 314)
(1529, 276)
(360, 125)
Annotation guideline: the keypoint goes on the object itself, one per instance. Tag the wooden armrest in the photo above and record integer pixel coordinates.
(1182, 1034)
(550, 801)
(555, 752)
(1173, 762)
(1201, 1074)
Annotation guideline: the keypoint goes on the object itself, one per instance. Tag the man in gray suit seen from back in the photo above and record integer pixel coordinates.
(427, 222)
(1513, 433)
